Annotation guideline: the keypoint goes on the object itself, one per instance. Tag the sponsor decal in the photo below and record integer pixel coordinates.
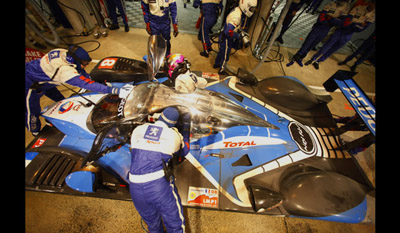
(76, 107)
(203, 197)
(210, 75)
(53, 108)
(244, 141)
(153, 133)
(53, 55)
(65, 107)
(107, 63)
(302, 138)
(239, 144)
(39, 142)
(362, 105)
(121, 108)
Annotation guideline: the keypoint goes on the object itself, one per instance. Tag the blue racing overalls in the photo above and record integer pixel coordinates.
(154, 196)
(332, 15)
(210, 11)
(157, 13)
(227, 37)
(112, 5)
(358, 20)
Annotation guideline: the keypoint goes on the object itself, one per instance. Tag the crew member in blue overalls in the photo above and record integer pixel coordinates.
(359, 18)
(230, 33)
(156, 15)
(332, 15)
(55, 68)
(210, 10)
(293, 8)
(154, 193)
(366, 49)
(112, 5)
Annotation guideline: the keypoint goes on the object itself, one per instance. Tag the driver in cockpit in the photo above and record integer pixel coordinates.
(179, 71)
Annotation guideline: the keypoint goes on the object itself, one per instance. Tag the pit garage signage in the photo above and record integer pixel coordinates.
(32, 54)
(203, 197)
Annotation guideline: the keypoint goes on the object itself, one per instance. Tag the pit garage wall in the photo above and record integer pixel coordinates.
(263, 11)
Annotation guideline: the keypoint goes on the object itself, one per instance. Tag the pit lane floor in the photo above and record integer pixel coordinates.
(63, 213)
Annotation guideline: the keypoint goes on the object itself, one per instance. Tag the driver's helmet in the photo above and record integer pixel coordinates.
(248, 7)
(177, 64)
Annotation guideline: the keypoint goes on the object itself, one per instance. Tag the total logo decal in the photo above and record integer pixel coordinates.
(244, 141)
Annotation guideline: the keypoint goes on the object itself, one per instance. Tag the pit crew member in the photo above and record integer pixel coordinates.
(359, 18)
(179, 71)
(210, 10)
(153, 193)
(57, 67)
(156, 15)
(366, 49)
(332, 15)
(112, 6)
(230, 32)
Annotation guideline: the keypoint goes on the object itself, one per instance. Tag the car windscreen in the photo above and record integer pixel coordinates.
(104, 113)
(209, 110)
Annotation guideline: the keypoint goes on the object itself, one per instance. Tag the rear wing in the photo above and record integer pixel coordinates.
(354, 94)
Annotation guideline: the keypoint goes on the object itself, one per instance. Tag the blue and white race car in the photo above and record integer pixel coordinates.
(264, 147)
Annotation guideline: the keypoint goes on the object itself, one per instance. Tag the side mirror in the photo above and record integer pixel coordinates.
(263, 199)
(156, 50)
(246, 77)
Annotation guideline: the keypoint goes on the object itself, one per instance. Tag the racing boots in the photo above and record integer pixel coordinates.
(114, 27)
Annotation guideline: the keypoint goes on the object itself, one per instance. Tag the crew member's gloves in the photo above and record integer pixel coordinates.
(175, 29)
(125, 90)
(148, 29)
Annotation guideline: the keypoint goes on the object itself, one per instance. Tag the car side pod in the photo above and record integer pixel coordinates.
(82, 181)
(263, 199)
(323, 194)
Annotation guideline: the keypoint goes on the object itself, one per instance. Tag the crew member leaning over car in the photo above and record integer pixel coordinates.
(151, 185)
(55, 68)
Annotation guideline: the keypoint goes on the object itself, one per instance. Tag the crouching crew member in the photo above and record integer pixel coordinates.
(154, 193)
(55, 68)
(230, 32)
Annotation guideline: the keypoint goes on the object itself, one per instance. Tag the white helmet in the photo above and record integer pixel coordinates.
(248, 7)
